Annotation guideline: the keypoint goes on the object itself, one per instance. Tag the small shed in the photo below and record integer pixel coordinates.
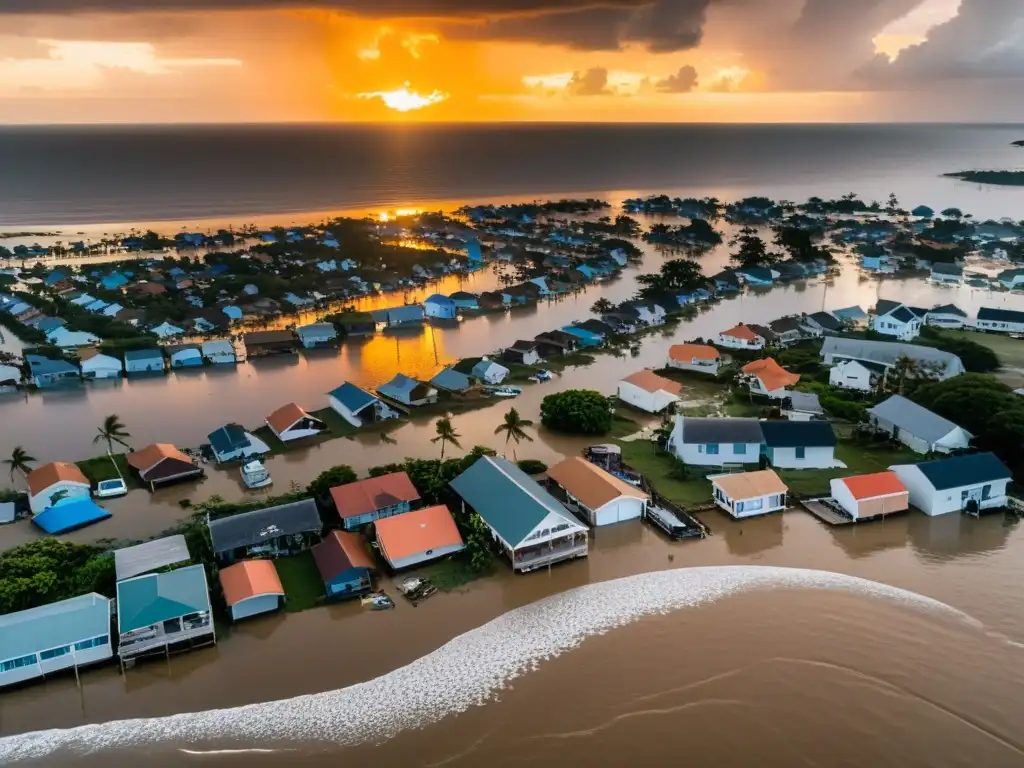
(649, 392)
(864, 497)
(251, 587)
(597, 496)
(184, 355)
(345, 565)
(523, 352)
(408, 391)
(490, 372)
(96, 365)
(451, 380)
(748, 494)
(232, 442)
(219, 352)
(150, 556)
(162, 464)
(418, 537)
(290, 422)
(144, 361)
(440, 307)
(359, 407)
(263, 343)
(317, 335)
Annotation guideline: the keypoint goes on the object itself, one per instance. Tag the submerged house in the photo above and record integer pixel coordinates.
(418, 537)
(68, 514)
(970, 483)
(290, 422)
(865, 497)
(184, 356)
(96, 365)
(532, 528)
(232, 442)
(52, 482)
(161, 464)
(160, 611)
(374, 498)
(523, 352)
(408, 316)
(285, 529)
(489, 372)
(46, 372)
(219, 352)
(345, 564)
(440, 307)
(359, 407)
(317, 335)
(451, 380)
(144, 361)
(408, 391)
(264, 343)
(250, 588)
(747, 494)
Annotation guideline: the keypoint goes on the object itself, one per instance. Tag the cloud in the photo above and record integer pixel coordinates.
(592, 82)
(683, 81)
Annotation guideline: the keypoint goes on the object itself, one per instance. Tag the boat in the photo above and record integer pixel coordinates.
(255, 475)
(416, 589)
(506, 391)
(543, 375)
(378, 601)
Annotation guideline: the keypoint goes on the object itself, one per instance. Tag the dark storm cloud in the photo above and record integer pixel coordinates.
(683, 81)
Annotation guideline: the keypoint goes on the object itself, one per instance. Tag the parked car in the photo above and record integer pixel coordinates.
(108, 489)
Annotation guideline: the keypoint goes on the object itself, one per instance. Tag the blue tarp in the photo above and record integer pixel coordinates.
(69, 514)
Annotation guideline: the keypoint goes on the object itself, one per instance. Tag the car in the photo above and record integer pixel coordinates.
(107, 489)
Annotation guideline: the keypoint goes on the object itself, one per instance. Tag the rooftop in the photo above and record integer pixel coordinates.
(649, 381)
(157, 597)
(342, 551)
(591, 484)
(913, 418)
(750, 485)
(969, 469)
(250, 528)
(55, 472)
(796, 434)
(874, 485)
(415, 532)
(701, 431)
(150, 556)
(685, 352)
(772, 375)
(54, 625)
(285, 416)
(373, 493)
(249, 578)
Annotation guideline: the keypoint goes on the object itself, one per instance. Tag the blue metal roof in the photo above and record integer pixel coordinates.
(53, 626)
(69, 514)
(439, 298)
(142, 355)
(408, 313)
(452, 380)
(958, 471)
(399, 387)
(352, 397)
(157, 597)
(230, 437)
(507, 499)
(43, 365)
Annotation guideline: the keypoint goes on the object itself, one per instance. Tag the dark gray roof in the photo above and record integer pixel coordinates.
(948, 309)
(784, 324)
(452, 380)
(765, 333)
(913, 418)
(958, 471)
(805, 401)
(885, 306)
(794, 434)
(902, 314)
(888, 352)
(700, 431)
(1000, 315)
(249, 528)
(825, 320)
(946, 268)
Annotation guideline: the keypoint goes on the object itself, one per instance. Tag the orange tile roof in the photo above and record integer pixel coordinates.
(50, 474)
(373, 493)
(341, 551)
(741, 331)
(285, 416)
(772, 375)
(152, 455)
(652, 382)
(750, 485)
(874, 485)
(249, 578)
(415, 532)
(591, 484)
(686, 352)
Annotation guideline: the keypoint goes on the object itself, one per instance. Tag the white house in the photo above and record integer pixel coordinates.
(748, 494)
(699, 358)
(166, 330)
(894, 319)
(523, 351)
(855, 374)
(799, 444)
(55, 481)
(290, 422)
(946, 316)
(969, 483)
(219, 352)
(65, 339)
(597, 496)
(741, 337)
(708, 442)
(887, 353)
(185, 356)
(648, 312)
(917, 427)
(359, 407)
(864, 497)
(1000, 320)
(767, 377)
(649, 392)
(99, 366)
(489, 372)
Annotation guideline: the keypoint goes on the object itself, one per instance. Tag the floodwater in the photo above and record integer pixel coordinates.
(782, 674)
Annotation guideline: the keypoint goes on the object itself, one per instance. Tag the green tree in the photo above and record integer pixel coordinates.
(446, 434)
(514, 427)
(577, 411)
(48, 569)
(602, 307)
(19, 461)
(751, 249)
(112, 431)
(320, 488)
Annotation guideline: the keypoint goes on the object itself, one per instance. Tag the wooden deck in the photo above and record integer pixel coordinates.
(826, 514)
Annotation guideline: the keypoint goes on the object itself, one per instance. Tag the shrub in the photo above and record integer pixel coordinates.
(532, 466)
(577, 411)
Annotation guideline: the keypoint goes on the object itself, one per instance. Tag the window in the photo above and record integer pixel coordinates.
(739, 448)
(12, 664)
(712, 448)
(429, 552)
(801, 452)
(986, 491)
(752, 505)
(92, 643)
(53, 653)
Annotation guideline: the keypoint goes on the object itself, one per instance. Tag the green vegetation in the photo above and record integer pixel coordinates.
(577, 411)
(112, 431)
(675, 276)
(1003, 178)
(532, 466)
(976, 355)
(751, 250)
(445, 434)
(514, 427)
(19, 461)
(320, 488)
(303, 587)
(48, 569)
(100, 468)
(452, 573)
(860, 459)
(667, 473)
(1009, 352)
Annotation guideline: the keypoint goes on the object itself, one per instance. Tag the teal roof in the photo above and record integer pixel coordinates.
(53, 625)
(507, 499)
(156, 597)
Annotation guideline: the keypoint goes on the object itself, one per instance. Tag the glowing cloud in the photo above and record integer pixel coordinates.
(412, 43)
(404, 100)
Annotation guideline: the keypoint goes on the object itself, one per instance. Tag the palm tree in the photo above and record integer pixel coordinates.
(514, 429)
(446, 434)
(20, 461)
(112, 431)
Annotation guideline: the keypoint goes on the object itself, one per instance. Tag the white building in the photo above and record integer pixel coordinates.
(799, 444)
(55, 481)
(962, 483)
(290, 422)
(854, 374)
(944, 365)
(185, 356)
(699, 358)
(946, 316)
(1000, 320)
(166, 330)
(917, 427)
(863, 497)
(597, 496)
(96, 365)
(894, 319)
(65, 339)
(741, 337)
(358, 407)
(748, 494)
(648, 391)
(709, 442)
(219, 352)
(489, 372)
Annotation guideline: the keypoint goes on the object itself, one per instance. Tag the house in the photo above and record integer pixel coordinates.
(418, 537)
(290, 422)
(465, 300)
(970, 483)
(232, 442)
(153, 555)
(165, 330)
(45, 372)
(857, 374)
(1011, 278)
(184, 356)
(10, 378)
(161, 464)
(317, 335)
(369, 500)
(886, 353)
(767, 377)
(947, 272)
(65, 339)
(710, 442)
(748, 494)
(851, 315)
(648, 313)
(68, 514)
(791, 330)
(96, 365)
(531, 526)
(699, 358)
(263, 343)
(407, 316)
(159, 611)
(235, 314)
(946, 316)
(757, 275)
(285, 529)
(440, 307)
(50, 638)
(803, 406)
(1000, 320)
(51, 482)
(552, 343)
(865, 497)
(522, 353)
(251, 587)
(586, 337)
(359, 407)
(598, 497)
(144, 361)
(799, 444)
(408, 391)
(741, 337)
(219, 352)
(489, 372)
(892, 318)
(451, 380)
(917, 427)
(649, 392)
(345, 565)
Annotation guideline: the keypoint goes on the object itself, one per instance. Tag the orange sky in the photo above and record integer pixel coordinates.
(287, 64)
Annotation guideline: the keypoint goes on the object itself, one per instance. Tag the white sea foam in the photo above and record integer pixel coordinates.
(462, 673)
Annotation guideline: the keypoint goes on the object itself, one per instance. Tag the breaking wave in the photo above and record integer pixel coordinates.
(464, 672)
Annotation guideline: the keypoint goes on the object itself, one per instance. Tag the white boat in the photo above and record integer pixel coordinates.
(506, 391)
(255, 475)
(543, 375)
